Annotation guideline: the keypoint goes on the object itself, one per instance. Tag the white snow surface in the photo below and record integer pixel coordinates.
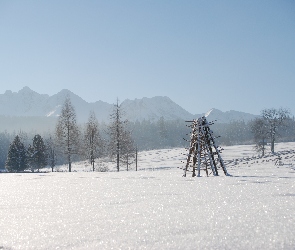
(154, 208)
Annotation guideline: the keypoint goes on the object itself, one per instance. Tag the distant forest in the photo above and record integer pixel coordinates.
(147, 135)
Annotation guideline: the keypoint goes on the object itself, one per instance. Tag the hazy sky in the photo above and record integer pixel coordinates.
(230, 55)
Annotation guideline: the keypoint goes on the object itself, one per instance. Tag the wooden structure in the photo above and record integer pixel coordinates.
(203, 153)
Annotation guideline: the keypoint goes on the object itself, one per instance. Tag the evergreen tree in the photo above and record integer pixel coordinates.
(24, 138)
(16, 158)
(30, 161)
(37, 154)
(162, 130)
(5, 140)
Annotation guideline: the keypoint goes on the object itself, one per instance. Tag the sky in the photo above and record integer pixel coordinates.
(203, 54)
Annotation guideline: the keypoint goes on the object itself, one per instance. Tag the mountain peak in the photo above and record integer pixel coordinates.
(25, 89)
(8, 92)
(65, 92)
(228, 116)
(68, 93)
(27, 102)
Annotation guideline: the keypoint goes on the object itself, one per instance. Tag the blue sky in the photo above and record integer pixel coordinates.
(230, 55)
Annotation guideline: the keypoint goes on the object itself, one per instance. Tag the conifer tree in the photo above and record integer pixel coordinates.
(163, 134)
(120, 139)
(30, 154)
(37, 154)
(93, 143)
(16, 158)
(127, 149)
(67, 131)
(5, 140)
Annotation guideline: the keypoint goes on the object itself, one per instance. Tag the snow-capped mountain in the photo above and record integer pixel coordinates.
(228, 116)
(27, 102)
(154, 108)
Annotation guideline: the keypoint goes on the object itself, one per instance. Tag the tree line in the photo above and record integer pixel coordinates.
(270, 126)
(70, 142)
(119, 140)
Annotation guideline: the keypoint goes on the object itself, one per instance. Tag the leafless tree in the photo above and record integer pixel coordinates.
(93, 143)
(67, 131)
(274, 118)
(120, 138)
(127, 149)
(260, 130)
(51, 152)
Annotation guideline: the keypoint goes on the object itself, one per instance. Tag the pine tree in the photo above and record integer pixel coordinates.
(67, 131)
(16, 158)
(5, 140)
(162, 130)
(30, 161)
(37, 154)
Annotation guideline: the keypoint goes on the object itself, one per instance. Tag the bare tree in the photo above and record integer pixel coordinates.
(93, 143)
(120, 139)
(127, 149)
(51, 152)
(67, 131)
(260, 131)
(274, 118)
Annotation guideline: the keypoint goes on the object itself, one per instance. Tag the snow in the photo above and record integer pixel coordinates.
(153, 109)
(208, 113)
(154, 208)
(27, 102)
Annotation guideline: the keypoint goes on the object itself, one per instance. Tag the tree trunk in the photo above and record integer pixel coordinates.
(127, 162)
(136, 159)
(118, 157)
(70, 164)
(272, 145)
(118, 141)
(263, 146)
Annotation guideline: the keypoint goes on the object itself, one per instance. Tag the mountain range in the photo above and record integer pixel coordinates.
(28, 103)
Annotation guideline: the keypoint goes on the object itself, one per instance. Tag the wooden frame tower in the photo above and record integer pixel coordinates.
(203, 153)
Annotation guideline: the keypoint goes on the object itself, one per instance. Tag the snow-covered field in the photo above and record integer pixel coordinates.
(154, 208)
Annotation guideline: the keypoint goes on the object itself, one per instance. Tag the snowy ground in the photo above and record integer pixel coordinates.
(155, 208)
